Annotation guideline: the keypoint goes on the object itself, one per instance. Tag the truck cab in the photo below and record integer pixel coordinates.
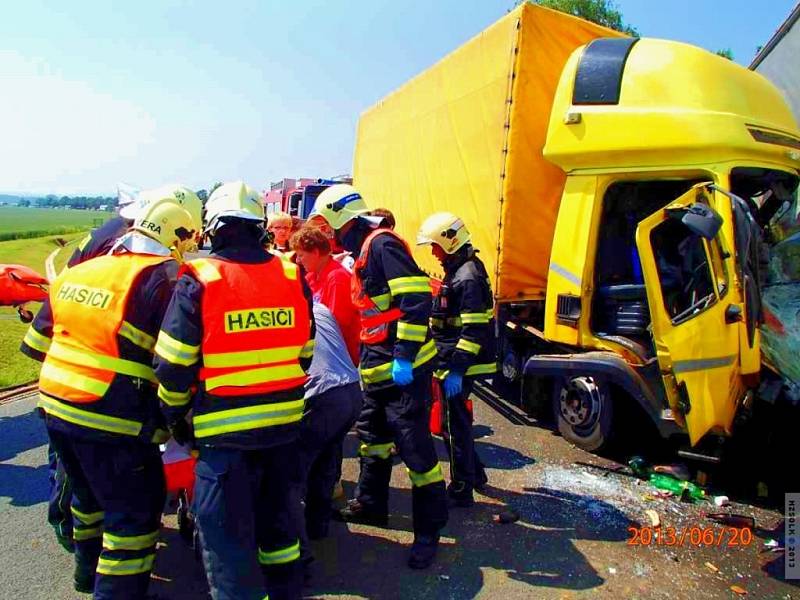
(674, 250)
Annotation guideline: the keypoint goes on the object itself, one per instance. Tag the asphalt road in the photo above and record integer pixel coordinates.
(571, 540)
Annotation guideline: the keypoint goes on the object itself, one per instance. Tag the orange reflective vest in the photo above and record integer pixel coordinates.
(376, 315)
(88, 303)
(256, 326)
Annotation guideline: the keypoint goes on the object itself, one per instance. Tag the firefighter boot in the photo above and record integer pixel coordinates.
(355, 512)
(460, 494)
(84, 580)
(423, 551)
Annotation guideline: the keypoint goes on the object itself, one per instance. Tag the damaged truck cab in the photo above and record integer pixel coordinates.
(680, 196)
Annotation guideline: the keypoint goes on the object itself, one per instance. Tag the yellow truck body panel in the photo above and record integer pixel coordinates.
(466, 136)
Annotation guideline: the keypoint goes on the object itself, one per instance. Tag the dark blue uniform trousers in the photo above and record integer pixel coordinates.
(243, 506)
(58, 508)
(118, 494)
(465, 466)
(327, 419)
(399, 417)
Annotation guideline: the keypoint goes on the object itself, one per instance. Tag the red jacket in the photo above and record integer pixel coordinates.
(331, 287)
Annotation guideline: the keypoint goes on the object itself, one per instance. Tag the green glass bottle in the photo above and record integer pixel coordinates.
(677, 487)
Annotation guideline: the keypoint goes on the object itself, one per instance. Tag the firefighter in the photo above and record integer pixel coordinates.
(239, 327)
(394, 298)
(98, 394)
(96, 243)
(463, 327)
(99, 242)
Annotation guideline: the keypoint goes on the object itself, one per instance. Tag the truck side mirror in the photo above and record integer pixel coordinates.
(700, 219)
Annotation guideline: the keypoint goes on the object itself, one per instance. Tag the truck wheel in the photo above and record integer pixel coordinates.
(583, 410)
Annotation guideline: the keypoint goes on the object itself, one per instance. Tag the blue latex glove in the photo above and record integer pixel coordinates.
(402, 371)
(453, 384)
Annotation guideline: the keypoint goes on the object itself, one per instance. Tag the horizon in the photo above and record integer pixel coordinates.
(160, 91)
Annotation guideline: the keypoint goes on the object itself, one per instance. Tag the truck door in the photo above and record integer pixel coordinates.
(695, 312)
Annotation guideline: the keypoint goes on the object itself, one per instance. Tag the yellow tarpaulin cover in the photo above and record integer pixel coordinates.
(466, 136)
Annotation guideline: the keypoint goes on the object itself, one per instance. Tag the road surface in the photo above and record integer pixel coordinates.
(571, 540)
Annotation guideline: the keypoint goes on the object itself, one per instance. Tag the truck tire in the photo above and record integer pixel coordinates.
(583, 411)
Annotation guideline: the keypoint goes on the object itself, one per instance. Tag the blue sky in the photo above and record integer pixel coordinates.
(165, 90)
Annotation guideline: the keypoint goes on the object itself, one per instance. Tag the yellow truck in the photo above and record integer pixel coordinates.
(636, 203)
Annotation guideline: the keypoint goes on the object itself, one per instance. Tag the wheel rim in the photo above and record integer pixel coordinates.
(580, 405)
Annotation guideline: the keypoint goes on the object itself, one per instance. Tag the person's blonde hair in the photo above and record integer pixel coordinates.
(279, 218)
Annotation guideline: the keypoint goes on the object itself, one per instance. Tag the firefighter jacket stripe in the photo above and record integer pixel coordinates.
(280, 556)
(462, 320)
(37, 341)
(128, 542)
(175, 351)
(377, 450)
(174, 398)
(422, 479)
(383, 372)
(137, 336)
(132, 566)
(394, 298)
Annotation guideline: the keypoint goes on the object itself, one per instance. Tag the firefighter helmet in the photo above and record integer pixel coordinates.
(177, 193)
(444, 229)
(170, 223)
(339, 204)
(233, 200)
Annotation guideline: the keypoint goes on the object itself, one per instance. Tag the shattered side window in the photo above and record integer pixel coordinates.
(684, 270)
(784, 238)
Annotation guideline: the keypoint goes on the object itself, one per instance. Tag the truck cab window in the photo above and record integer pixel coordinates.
(684, 270)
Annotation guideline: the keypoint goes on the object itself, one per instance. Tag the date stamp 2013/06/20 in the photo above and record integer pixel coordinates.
(696, 535)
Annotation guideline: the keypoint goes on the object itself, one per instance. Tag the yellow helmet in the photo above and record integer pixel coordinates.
(339, 204)
(444, 229)
(176, 192)
(233, 199)
(170, 223)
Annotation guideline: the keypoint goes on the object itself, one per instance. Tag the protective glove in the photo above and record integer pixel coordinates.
(182, 432)
(402, 371)
(453, 384)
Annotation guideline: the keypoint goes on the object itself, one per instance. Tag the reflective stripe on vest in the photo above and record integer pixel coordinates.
(249, 417)
(84, 418)
(89, 303)
(253, 335)
(383, 372)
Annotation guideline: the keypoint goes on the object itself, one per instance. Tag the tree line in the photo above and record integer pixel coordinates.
(79, 202)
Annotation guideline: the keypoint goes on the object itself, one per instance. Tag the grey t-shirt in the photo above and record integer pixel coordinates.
(331, 366)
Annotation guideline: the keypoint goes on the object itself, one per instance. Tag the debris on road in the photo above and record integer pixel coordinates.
(687, 490)
(612, 570)
(444, 577)
(507, 516)
(712, 568)
(738, 590)
(655, 520)
(733, 520)
(721, 501)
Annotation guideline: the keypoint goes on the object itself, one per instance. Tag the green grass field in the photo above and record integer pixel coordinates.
(15, 367)
(13, 218)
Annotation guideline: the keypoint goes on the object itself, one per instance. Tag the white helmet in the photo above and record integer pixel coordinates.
(168, 222)
(444, 229)
(179, 193)
(235, 200)
(339, 204)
